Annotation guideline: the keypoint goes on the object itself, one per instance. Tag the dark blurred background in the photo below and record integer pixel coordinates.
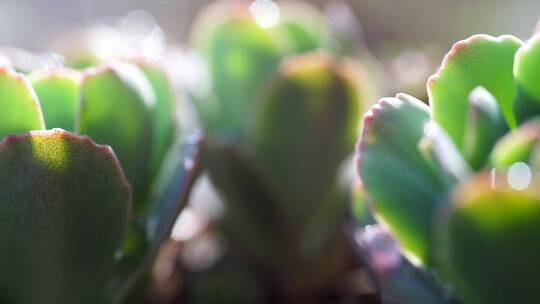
(33, 23)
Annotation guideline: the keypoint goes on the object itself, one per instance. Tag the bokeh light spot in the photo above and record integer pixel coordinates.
(265, 12)
(519, 176)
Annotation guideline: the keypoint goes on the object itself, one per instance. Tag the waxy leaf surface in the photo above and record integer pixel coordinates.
(480, 60)
(64, 207)
(19, 106)
(404, 187)
(116, 109)
(58, 91)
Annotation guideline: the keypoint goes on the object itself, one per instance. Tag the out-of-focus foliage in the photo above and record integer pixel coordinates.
(281, 115)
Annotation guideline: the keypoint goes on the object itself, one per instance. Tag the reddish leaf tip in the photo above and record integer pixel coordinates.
(23, 80)
(104, 150)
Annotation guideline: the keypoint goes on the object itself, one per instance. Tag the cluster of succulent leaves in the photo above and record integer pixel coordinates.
(281, 116)
(84, 202)
(457, 183)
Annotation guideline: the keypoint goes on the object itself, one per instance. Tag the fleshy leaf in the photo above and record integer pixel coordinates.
(526, 72)
(64, 207)
(404, 187)
(439, 150)
(489, 237)
(250, 203)
(484, 125)
(58, 91)
(302, 27)
(517, 146)
(19, 106)
(480, 60)
(241, 56)
(116, 109)
(164, 111)
(304, 126)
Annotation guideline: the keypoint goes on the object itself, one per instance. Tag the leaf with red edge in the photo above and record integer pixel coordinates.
(116, 109)
(480, 60)
(64, 208)
(58, 90)
(19, 107)
(405, 188)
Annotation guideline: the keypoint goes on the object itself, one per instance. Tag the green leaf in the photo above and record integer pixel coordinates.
(484, 125)
(116, 109)
(240, 56)
(360, 205)
(250, 203)
(64, 206)
(304, 126)
(58, 91)
(168, 196)
(489, 237)
(164, 114)
(19, 106)
(302, 27)
(480, 60)
(517, 146)
(526, 72)
(440, 152)
(404, 187)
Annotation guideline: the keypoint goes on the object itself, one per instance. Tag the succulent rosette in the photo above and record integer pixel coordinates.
(94, 172)
(457, 182)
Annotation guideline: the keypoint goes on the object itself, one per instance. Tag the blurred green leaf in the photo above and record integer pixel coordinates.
(304, 126)
(480, 60)
(361, 209)
(19, 106)
(302, 27)
(164, 111)
(489, 238)
(240, 56)
(404, 187)
(242, 53)
(527, 74)
(516, 146)
(58, 91)
(116, 109)
(250, 203)
(231, 281)
(64, 206)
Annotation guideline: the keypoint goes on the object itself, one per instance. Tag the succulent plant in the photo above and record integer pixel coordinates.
(457, 183)
(242, 52)
(82, 220)
(280, 119)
